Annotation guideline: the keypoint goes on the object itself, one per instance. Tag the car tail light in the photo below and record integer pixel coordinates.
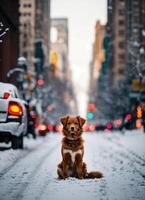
(34, 116)
(6, 95)
(91, 127)
(15, 109)
(58, 128)
(36, 125)
(50, 127)
(109, 126)
(42, 127)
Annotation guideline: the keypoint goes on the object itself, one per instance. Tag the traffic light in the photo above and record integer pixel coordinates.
(91, 107)
(91, 111)
(139, 112)
(90, 115)
(54, 58)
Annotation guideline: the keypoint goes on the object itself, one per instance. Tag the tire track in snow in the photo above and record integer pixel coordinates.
(21, 174)
(48, 176)
(24, 185)
(19, 158)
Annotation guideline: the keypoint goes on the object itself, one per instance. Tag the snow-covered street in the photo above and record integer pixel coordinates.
(31, 173)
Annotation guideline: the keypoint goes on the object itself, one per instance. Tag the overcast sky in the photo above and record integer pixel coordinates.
(82, 16)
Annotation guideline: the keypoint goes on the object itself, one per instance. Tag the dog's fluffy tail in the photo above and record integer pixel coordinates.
(94, 174)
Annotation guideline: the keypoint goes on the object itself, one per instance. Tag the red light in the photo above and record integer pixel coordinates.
(34, 116)
(40, 82)
(50, 127)
(108, 126)
(128, 117)
(15, 109)
(91, 107)
(36, 125)
(6, 95)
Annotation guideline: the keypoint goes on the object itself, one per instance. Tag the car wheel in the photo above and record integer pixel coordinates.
(21, 142)
(17, 142)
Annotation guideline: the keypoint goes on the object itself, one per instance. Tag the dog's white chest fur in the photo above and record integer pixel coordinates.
(72, 153)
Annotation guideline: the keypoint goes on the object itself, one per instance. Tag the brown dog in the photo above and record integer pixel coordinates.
(73, 150)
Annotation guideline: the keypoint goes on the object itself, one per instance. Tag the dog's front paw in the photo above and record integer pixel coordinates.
(65, 176)
(80, 177)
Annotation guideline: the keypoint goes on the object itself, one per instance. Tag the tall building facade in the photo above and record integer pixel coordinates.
(27, 31)
(97, 57)
(42, 26)
(126, 25)
(118, 32)
(124, 49)
(34, 29)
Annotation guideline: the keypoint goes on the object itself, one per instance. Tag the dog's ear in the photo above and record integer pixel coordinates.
(64, 120)
(81, 121)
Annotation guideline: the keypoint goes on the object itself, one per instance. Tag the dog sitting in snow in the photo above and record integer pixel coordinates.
(72, 150)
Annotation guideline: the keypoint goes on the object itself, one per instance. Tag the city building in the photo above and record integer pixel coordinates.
(97, 57)
(9, 49)
(117, 28)
(59, 46)
(124, 47)
(126, 25)
(35, 31)
(27, 31)
(42, 26)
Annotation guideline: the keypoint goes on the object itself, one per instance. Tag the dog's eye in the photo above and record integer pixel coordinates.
(76, 123)
(68, 123)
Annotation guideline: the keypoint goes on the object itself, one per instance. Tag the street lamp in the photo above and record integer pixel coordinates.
(22, 63)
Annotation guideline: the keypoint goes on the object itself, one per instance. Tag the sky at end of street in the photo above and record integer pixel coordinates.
(82, 16)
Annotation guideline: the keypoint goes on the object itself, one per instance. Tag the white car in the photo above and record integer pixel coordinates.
(13, 116)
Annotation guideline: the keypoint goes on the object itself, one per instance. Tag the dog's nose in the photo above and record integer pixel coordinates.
(72, 128)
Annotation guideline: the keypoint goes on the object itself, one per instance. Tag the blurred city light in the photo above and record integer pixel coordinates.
(128, 117)
(90, 115)
(40, 82)
(138, 124)
(139, 112)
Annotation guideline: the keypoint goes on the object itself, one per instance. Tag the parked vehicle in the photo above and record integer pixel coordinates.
(13, 116)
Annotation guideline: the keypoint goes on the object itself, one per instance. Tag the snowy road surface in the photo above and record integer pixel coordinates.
(31, 173)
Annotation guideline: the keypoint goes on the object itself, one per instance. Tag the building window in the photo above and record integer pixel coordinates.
(121, 22)
(25, 25)
(121, 71)
(121, 56)
(121, 12)
(27, 5)
(25, 54)
(25, 35)
(24, 44)
(121, 45)
(121, 33)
